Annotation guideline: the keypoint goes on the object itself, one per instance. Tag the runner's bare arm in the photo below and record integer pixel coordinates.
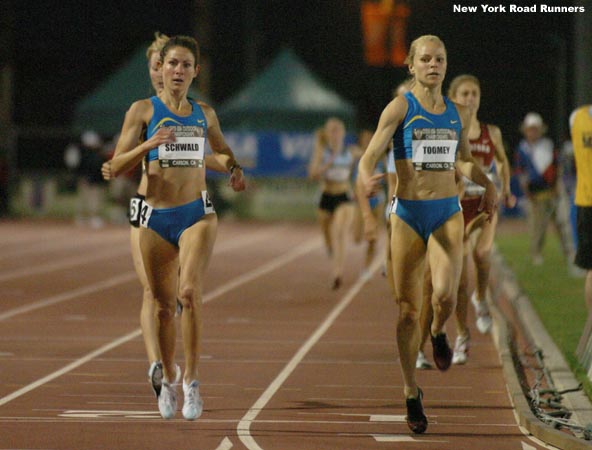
(391, 117)
(316, 168)
(128, 153)
(223, 157)
(502, 164)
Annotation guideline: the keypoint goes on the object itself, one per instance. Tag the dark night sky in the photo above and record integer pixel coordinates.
(63, 49)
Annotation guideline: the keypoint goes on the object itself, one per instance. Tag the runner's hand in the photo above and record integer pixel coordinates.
(489, 201)
(106, 170)
(372, 184)
(237, 180)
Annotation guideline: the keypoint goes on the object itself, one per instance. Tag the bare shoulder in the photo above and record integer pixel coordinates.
(140, 108)
(494, 131)
(396, 110)
(207, 110)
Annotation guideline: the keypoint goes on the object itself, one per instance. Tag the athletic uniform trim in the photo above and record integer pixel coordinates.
(170, 223)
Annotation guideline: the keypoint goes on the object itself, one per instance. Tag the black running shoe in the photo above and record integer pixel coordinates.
(416, 419)
(442, 351)
(336, 283)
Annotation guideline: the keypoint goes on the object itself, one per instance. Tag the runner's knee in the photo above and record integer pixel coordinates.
(188, 296)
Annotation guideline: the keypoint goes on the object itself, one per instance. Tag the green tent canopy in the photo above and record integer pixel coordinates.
(103, 110)
(286, 96)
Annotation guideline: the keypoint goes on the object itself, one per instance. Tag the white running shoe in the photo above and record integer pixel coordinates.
(193, 404)
(422, 362)
(167, 401)
(461, 349)
(155, 375)
(484, 321)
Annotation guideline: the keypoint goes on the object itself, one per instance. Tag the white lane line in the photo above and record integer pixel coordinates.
(525, 446)
(65, 243)
(274, 264)
(73, 365)
(244, 426)
(69, 295)
(387, 418)
(111, 282)
(226, 444)
(403, 438)
(66, 263)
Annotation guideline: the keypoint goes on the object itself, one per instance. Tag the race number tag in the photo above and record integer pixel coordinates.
(145, 213)
(186, 151)
(434, 148)
(208, 205)
(134, 209)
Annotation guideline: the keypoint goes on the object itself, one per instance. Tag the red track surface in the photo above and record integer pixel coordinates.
(287, 364)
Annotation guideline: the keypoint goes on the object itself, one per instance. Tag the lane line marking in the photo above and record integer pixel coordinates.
(73, 365)
(244, 426)
(226, 444)
(402, 438)
(109, 283)
(65, 263)
(274, 264)
(69, 295)
(66, 243)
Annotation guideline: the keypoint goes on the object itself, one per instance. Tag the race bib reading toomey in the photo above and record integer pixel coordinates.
(434, 148)
(186, 151)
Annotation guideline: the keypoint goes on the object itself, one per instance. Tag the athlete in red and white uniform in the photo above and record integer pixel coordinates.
(487, 148)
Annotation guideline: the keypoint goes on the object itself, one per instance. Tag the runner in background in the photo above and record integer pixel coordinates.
(332, 164)
(487, 148)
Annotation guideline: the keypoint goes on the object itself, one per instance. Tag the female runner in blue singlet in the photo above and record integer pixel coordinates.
(178, 222)
(332, 163)
(428, 133)
(148, 321)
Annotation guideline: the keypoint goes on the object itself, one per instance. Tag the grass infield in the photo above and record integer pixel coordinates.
(557, 297)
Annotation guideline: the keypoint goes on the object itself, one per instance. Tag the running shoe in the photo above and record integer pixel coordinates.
(155, 375)
(484, 321)
(416, 419)
(422, 362)
(336, 283)
(461, 349)
(442, 351)
(167, 401)
(193, 404)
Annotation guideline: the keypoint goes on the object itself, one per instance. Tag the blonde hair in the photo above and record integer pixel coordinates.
(460, 79)
(417, 42)
(157, 44)
(404, 85)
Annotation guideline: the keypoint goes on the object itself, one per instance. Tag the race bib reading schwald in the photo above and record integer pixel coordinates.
(434, 148)
(186, 151)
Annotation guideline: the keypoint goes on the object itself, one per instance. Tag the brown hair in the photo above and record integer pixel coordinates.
(457, 81)
(181, 41)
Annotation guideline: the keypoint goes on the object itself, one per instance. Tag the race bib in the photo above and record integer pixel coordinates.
(208, 205)
(186, 151)
(145, 213)
(434, 148)
(134, 210)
